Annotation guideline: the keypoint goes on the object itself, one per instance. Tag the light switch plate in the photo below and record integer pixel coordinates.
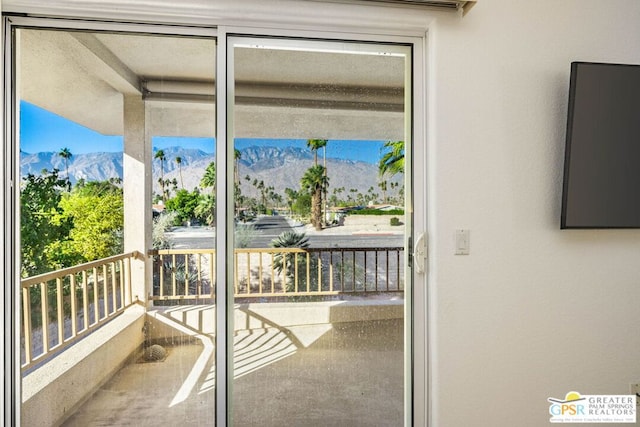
(462, 242)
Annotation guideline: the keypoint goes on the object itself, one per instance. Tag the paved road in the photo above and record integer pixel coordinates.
(350, 241)
(192, 238)
(268, 228)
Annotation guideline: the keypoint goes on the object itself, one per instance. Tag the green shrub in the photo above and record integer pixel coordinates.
(161, 224)
(394, 221)
(377, 212)
(244, 234)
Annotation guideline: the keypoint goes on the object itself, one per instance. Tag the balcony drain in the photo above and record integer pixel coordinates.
(154, 353)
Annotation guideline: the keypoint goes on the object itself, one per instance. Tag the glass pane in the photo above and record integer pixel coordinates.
(319, 131)
(116, 161)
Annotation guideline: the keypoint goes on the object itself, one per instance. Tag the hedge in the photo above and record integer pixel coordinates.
(377, 212)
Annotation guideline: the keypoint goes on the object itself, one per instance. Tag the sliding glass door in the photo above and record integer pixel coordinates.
(318, 132)
(212, 229)
(117, 225)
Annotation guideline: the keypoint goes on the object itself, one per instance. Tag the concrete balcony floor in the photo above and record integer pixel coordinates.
(351, 374)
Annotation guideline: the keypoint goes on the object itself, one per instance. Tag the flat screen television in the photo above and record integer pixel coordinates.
(601, 186)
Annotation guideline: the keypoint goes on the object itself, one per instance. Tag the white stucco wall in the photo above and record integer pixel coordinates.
(533, 311)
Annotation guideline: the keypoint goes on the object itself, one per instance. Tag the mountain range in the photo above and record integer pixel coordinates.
(280, 167)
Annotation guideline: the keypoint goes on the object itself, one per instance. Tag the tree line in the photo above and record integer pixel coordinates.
(309, 200)
(64, 225)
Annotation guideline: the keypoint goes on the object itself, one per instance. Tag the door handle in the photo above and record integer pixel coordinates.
(420, 253)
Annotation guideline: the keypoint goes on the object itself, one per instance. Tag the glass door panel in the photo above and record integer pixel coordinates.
(319, 132)
(116, 161)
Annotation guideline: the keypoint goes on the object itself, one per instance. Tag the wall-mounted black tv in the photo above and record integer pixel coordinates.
(601, 187)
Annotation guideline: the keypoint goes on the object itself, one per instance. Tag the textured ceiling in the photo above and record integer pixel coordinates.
(280, 92)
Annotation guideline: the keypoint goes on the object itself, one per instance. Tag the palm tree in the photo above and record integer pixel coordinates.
(160, 156)
(314, 145)
(315, 181)
(392, 160)
(65, 153)
(237, 191)
(209, 177)
(383, 187)
(179, 162)
(207, 206)
(291, 197)
(206, 209)
(237, 155)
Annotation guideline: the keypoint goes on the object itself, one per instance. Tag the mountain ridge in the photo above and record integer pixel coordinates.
(280, 167)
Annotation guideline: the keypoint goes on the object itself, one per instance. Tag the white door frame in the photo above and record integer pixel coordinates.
(415, 295)
(416, 372)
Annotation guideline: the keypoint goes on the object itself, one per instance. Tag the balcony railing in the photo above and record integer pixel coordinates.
(279, 272)
(62, 306)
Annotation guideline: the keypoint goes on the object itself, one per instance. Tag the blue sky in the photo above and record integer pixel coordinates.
(41, 130)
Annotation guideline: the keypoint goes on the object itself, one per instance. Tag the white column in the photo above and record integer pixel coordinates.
(137, 193)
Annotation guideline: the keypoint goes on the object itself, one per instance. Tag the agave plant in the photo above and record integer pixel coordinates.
(287, 261)
(290, 239)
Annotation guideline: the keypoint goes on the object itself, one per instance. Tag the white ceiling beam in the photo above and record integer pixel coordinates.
(105, 65)
(339, 97)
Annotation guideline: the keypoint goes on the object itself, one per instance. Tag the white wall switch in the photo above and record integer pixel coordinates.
(462, 242)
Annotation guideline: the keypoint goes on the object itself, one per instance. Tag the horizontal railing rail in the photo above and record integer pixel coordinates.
(279, 272)
(60, 307)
